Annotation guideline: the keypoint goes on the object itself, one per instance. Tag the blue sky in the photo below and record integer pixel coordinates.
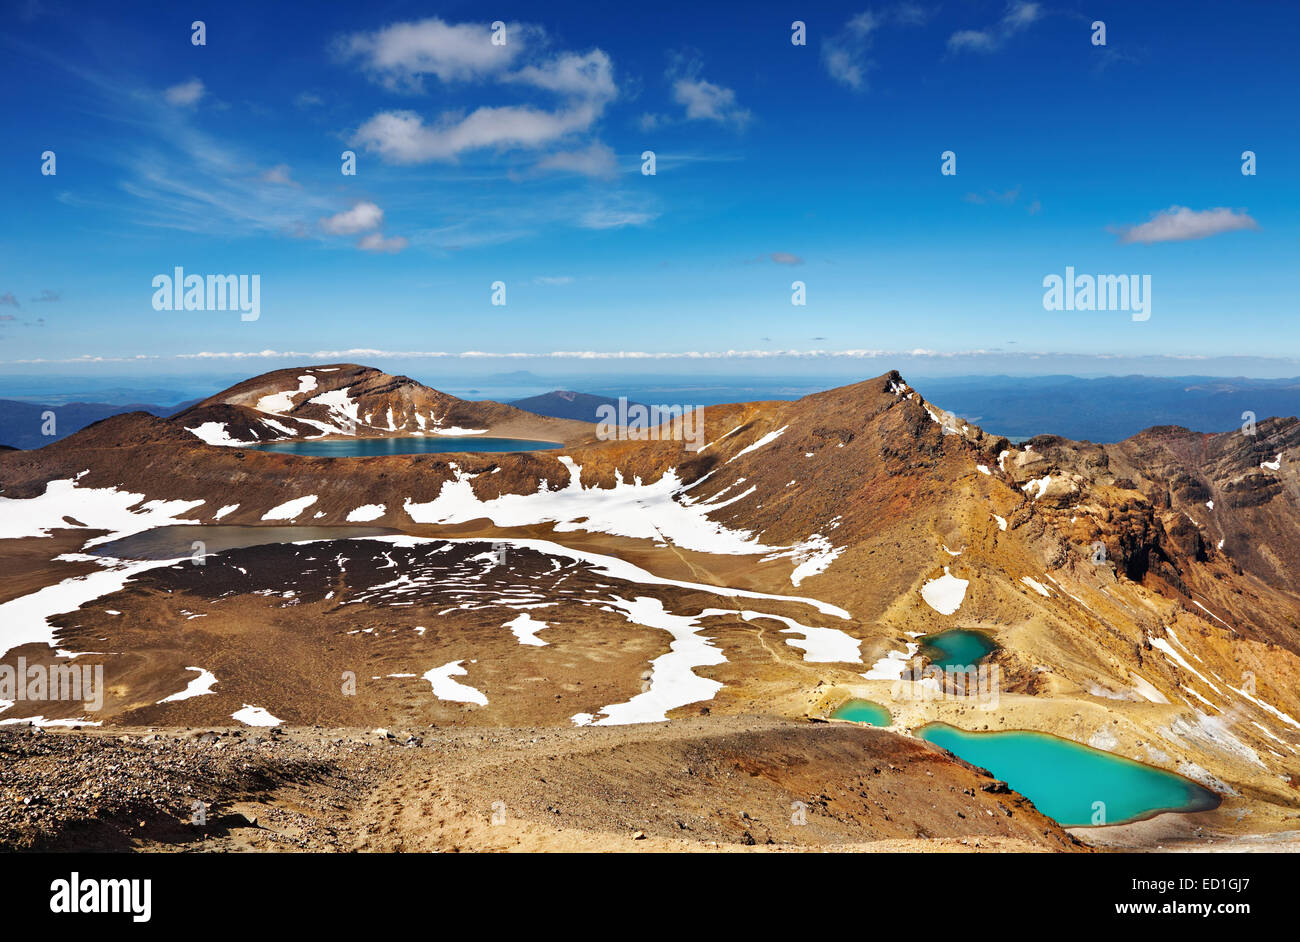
(521, 163)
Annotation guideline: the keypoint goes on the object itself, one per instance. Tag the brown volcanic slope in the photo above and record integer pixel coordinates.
(1170, 649)
(707, 784)
(346, 400)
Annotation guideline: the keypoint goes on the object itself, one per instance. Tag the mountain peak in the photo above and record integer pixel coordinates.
(352, 400)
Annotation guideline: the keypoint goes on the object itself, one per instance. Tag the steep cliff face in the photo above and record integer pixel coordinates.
(1208, 519)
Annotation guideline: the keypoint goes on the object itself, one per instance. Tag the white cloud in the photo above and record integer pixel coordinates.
(1020, 15)
(403, 137)
(598, 160)
(186, 94)
(1037, 361)
(398, 55)
(364, 215)
(1178, 224)
(375, 242)
(588, 76)
(705, 101)
(361, 355)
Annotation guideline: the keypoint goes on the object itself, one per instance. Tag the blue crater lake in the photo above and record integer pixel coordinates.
(863, 711)
(1064, 779)
(957, 648)
(362, 447)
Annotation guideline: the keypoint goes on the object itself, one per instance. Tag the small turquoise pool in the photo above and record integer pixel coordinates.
(361, 447)
(957, 648)
(863, 711)
(1066, 780)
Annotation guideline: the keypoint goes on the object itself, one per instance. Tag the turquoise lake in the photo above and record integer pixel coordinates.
(957, 648)
(863, 711)
(362, 447)
(1063, 778)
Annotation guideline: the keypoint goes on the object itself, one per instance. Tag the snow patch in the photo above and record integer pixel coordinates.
(822, 645)
(216, 433)
(196, 688)
(673, 682)
(281, 402)
(365, 513)
(525, 628)
(1036, 586)
(290, 509)
(765, 440)
(96, 508)
(251, 715)
(444, 688)
(946, 593)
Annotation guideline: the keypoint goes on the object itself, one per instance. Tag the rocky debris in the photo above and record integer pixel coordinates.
(65, 790)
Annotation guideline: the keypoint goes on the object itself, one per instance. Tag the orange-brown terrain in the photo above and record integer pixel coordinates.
(628, 644)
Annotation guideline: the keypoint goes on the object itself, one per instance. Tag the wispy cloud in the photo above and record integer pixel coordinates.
(610, 218)
(786, 258)
(1179, 224)
(846, 54)
(8, 300)
(186, 94)
(1019, 16)
(279, 174)
(993, 196)
(375, 242)
(597, 160)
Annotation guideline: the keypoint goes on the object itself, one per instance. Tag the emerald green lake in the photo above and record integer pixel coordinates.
(1063, 778)
(359, 447)
(957, 648)
(863, 711)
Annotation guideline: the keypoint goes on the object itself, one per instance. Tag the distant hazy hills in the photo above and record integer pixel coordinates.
(565, 404)
(21, 422)
(1109, 409)
(1112, 408)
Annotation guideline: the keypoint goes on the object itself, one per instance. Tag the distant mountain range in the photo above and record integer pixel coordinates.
(1112, 408)
(1107, 409)
(21, 423)
(566, 404)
